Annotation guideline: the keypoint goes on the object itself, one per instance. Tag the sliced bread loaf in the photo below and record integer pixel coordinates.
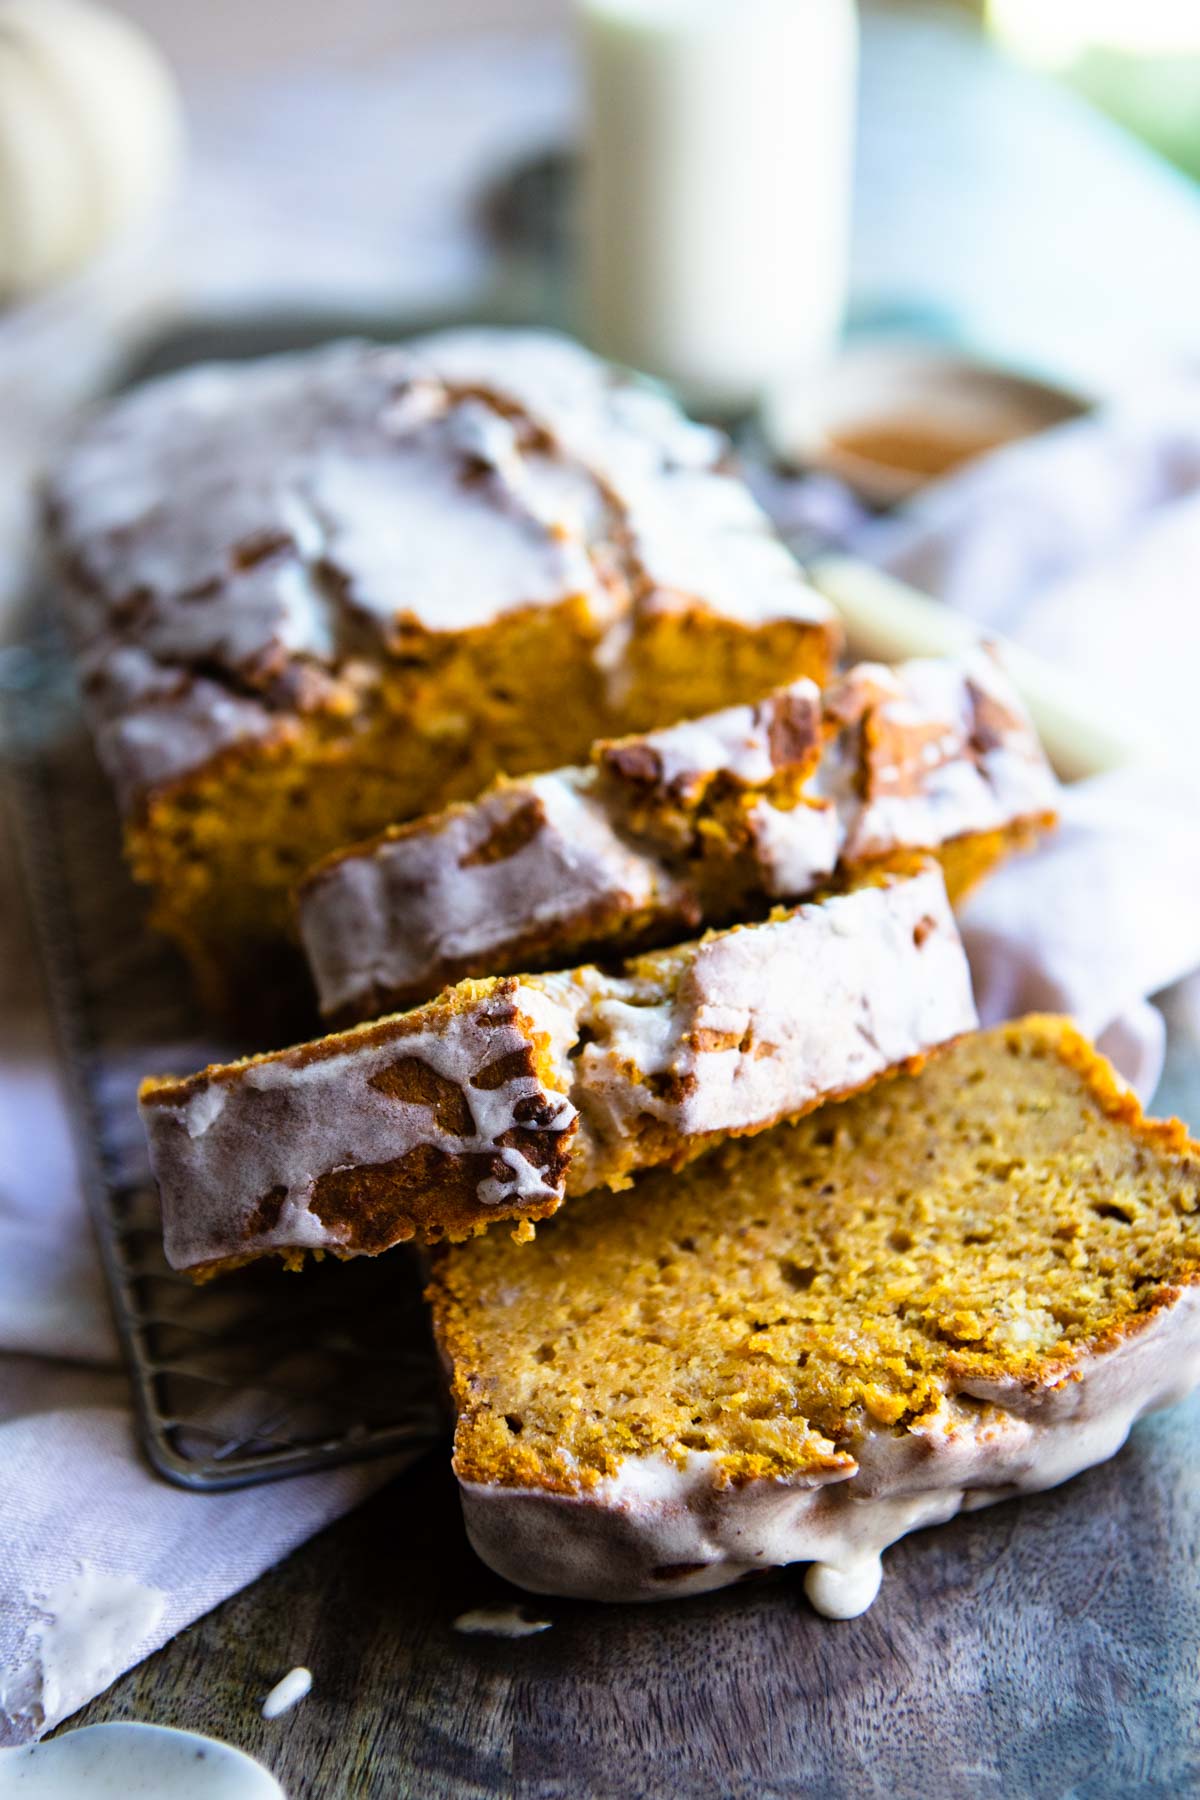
(961, 1286)
(502, 1096)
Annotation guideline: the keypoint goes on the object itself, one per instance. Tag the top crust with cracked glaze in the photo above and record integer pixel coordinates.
(244, 544)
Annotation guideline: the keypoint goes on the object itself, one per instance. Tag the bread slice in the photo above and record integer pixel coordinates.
(692, 825)
(315, 593)
(502, 1096)
(961, 1286)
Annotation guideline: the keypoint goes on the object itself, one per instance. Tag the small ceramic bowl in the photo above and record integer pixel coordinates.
(889, 417)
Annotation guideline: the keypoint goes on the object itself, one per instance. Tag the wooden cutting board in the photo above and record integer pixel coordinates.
(1046, 1648)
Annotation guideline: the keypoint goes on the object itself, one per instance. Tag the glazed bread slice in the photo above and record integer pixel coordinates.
(320, 592)
(963, 1285)
(502, 1096)
(692, 825)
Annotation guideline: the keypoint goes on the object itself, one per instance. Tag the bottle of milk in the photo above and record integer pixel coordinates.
(717, 187)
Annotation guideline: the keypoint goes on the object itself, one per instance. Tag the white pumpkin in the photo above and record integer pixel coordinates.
(90, 135)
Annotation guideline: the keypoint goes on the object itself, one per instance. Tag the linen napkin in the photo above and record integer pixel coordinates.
(1101, 916)
(1083, 545)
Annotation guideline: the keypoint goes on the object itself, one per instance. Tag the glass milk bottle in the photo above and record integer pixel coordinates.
(716, 203)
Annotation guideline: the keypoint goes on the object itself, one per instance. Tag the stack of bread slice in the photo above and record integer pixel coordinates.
(747, 1246)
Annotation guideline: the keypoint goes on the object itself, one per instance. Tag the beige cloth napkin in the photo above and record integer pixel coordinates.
(1084, 545)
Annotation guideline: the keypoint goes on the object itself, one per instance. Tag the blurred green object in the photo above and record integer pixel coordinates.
(1156, 96)
(1138, 60)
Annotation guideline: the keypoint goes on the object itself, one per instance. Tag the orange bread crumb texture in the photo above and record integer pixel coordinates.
(966, 1234)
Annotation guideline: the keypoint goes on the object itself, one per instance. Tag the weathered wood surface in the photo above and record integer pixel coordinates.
(1047, 1648)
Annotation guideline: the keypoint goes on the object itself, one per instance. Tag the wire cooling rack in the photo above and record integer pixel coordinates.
(259, 1375)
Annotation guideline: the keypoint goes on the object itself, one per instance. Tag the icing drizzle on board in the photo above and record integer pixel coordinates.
(80, 1636)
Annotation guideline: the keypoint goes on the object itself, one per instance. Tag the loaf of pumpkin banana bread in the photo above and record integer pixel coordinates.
(961, 1286)
(318, 593)
(695, 824)
(502, 1096)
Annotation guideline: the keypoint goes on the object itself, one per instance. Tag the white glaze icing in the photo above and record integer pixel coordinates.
(499, 1621)
(729, 1034)
(657, 1531)
(295, 1686)
(86, 1629)
(796, 848)
(766, 1020)
(460, 911)
(844, 1593)
(735, 742)
(126, 1761)
(243, 527)
(400, 916)
(393, 920)
(150, 723)
(277, 1126)
(964, 788)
